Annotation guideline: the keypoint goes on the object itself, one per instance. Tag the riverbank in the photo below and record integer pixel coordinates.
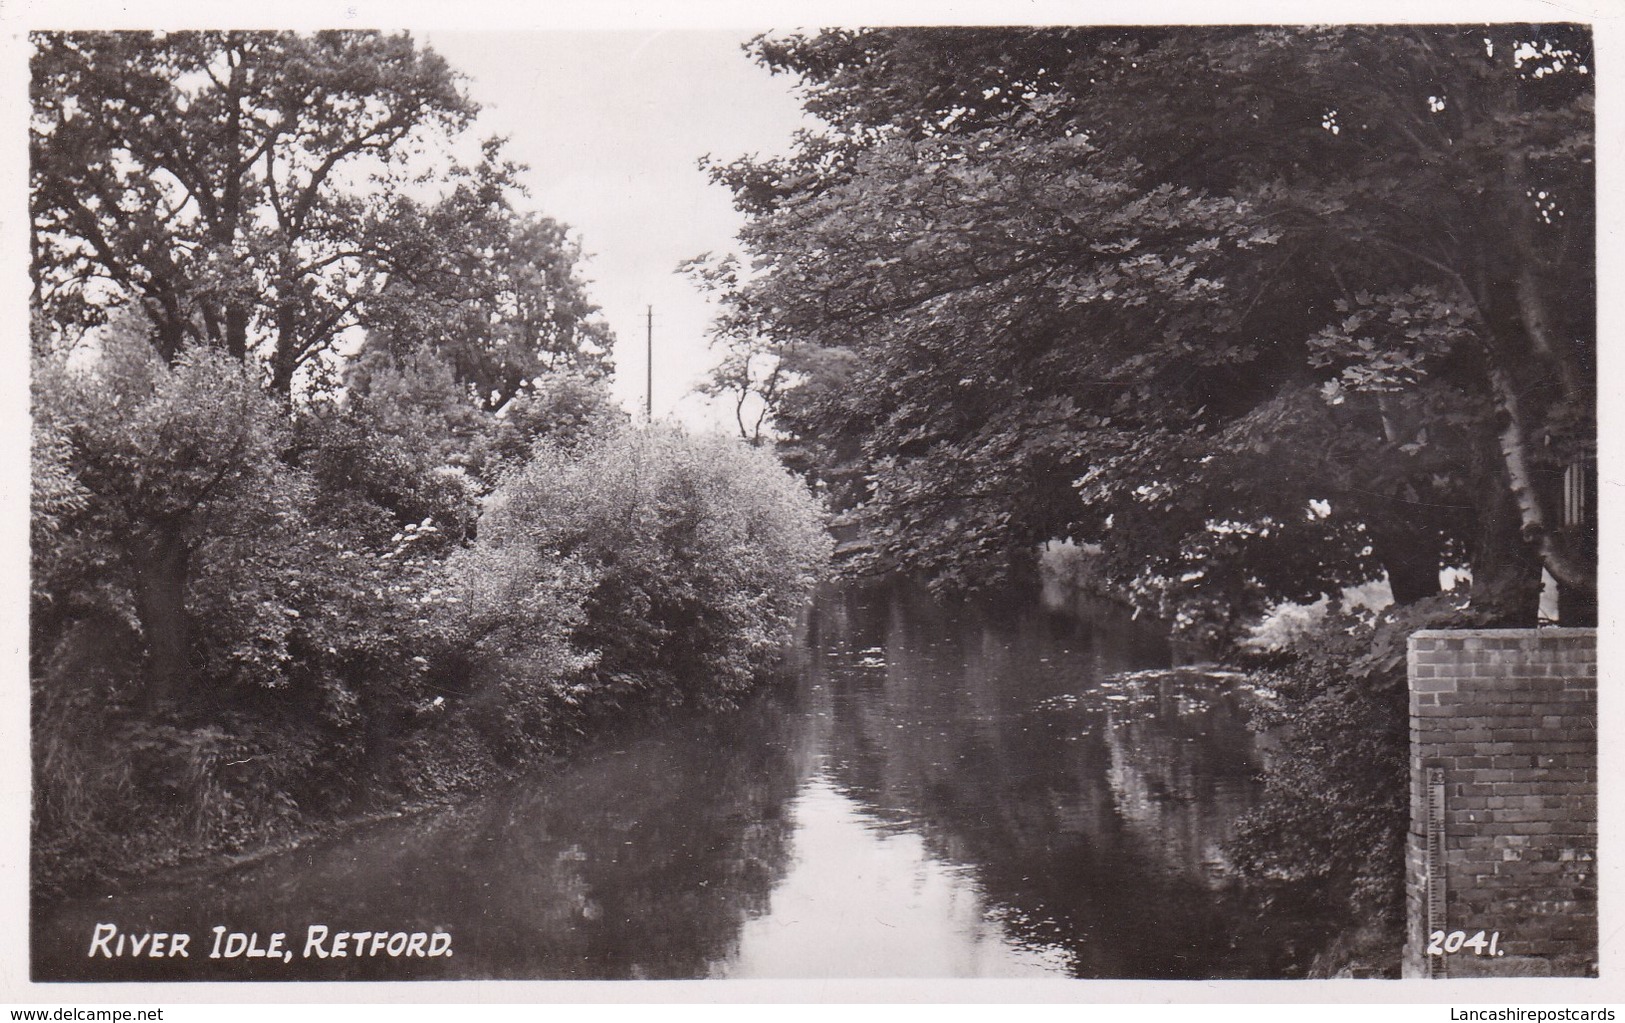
(180, 862)
(182, 859)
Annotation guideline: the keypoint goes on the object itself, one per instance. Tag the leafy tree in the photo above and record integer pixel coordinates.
(1123, 258)
(227, 183)
(993, 311)
(1352, 334)
(152, 466)
(496, 293)
(249, 613)
(754, 368)
(217, 585)
(415, 404)
(567, 412)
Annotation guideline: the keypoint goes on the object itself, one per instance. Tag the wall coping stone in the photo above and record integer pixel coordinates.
(1549, 632)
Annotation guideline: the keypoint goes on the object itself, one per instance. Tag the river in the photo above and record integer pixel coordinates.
(933, 791)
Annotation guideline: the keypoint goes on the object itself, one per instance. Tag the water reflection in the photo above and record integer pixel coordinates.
(938, 792)
(642, 859)
(868, 899)
(1092, 812)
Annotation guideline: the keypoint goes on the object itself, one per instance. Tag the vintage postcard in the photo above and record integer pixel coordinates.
(810, 503)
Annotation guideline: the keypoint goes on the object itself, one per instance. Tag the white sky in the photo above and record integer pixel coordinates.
(612, 124)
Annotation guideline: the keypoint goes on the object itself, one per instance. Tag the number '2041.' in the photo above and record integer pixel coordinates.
(1441, 943)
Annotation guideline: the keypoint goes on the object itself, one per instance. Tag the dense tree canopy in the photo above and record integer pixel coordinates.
(204, 176)
(260, 192)
(1260, 311)
(167, 462)
(496, 293)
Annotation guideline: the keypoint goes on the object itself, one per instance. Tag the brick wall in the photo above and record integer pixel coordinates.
(1510, 716)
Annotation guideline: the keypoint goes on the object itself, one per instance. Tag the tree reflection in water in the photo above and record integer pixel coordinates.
(1091, 812)
(641, 858)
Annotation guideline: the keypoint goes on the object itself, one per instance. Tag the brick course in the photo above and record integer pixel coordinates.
(1510, 715)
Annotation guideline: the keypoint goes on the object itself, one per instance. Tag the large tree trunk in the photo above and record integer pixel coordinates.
(237, 329)
(1536, 488)
(286, 357)
(168, 331)
(1506, 569)
(1538, 332)
(1411, 561)
(160, 597)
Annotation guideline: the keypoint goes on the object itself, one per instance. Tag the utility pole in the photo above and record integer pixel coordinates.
(649, 379)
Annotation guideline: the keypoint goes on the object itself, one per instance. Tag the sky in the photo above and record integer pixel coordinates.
(612, 125)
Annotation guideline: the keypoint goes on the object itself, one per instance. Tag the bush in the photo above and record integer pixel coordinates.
(157, 474)
(694, 554)
(1331, 829)
(509, 666)
(566, 411)
(297, 606)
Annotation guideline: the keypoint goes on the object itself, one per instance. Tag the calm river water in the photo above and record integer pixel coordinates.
(938, 791)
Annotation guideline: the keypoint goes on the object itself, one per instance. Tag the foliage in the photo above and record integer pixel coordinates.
(754, 368)
(57, 495)
(226, 182)
(565, 411)
(246, 190)
(172, 464)
(697, 551)
(497, 294)
(431, 421)
(338, 643)
(164, 493)
(510, 668)
(414, 426)
(223, 641)
(1332, 826)
(1132, 260)
(1258, 313)
(258, 605)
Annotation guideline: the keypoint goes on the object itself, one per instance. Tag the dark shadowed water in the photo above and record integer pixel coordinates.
(937, 791)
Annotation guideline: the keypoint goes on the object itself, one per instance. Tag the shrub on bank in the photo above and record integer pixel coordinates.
(694, 553)
(222, 625)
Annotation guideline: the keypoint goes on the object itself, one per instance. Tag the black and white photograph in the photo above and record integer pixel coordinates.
(832, 500)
